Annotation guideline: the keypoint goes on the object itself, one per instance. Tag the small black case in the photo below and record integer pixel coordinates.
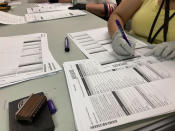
(42, 122)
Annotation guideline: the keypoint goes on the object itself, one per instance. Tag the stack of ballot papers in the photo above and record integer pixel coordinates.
(25, 57)
(43, 12)
(97, 46)
(45, 7)
(7, 18)
(108, 90)
(36, 17)
(129, 92)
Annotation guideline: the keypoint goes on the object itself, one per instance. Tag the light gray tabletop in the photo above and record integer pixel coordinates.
(54, 86)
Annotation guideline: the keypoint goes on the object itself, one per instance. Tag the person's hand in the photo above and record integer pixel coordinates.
(121, 47)
(78, 6)
(164, 50)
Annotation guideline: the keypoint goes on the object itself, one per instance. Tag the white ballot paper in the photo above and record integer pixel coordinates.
(25, 57)
(7, 18)
(49, 7)
(107, 99)
(53, 15)
(96, 44)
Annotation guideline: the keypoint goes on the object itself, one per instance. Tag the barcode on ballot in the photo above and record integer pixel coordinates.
(103, 124)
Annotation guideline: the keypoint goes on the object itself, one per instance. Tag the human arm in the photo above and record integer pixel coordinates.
(97, 9)
(109, 8)
(101, 10)
(123, 13)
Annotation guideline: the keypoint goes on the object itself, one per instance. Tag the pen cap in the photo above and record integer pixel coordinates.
(67, 44)
(51, 106)
(67, 49)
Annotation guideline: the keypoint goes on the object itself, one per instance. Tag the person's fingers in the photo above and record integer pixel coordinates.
(122, 57)
(129, 49)
(167, 51)
(159, 50)
(151, 46)
(171, 56)
(122, 51)
(118, 49)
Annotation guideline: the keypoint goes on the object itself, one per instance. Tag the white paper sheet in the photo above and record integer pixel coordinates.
(117, 97)
(7, 18)
(53, 15)
(10, 52)
(96, 44)
(49, 7)
(25, 57)
(50, 14)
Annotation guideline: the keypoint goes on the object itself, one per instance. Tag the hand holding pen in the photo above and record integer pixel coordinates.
(122, 32)
(120, 43)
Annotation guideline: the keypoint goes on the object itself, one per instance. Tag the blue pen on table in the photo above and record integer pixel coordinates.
(66, 44)
(122, 32)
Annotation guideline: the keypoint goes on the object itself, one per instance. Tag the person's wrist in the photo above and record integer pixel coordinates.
(115, 34)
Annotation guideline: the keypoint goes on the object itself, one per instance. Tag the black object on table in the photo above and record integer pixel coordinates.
(42, 122)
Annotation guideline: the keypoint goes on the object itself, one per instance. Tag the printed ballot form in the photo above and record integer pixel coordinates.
(121, 95)
(25, 57)
(7, 18)
(46, 11)
(46, 7)
(97, 46)
(35, 17)
(43, 12)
